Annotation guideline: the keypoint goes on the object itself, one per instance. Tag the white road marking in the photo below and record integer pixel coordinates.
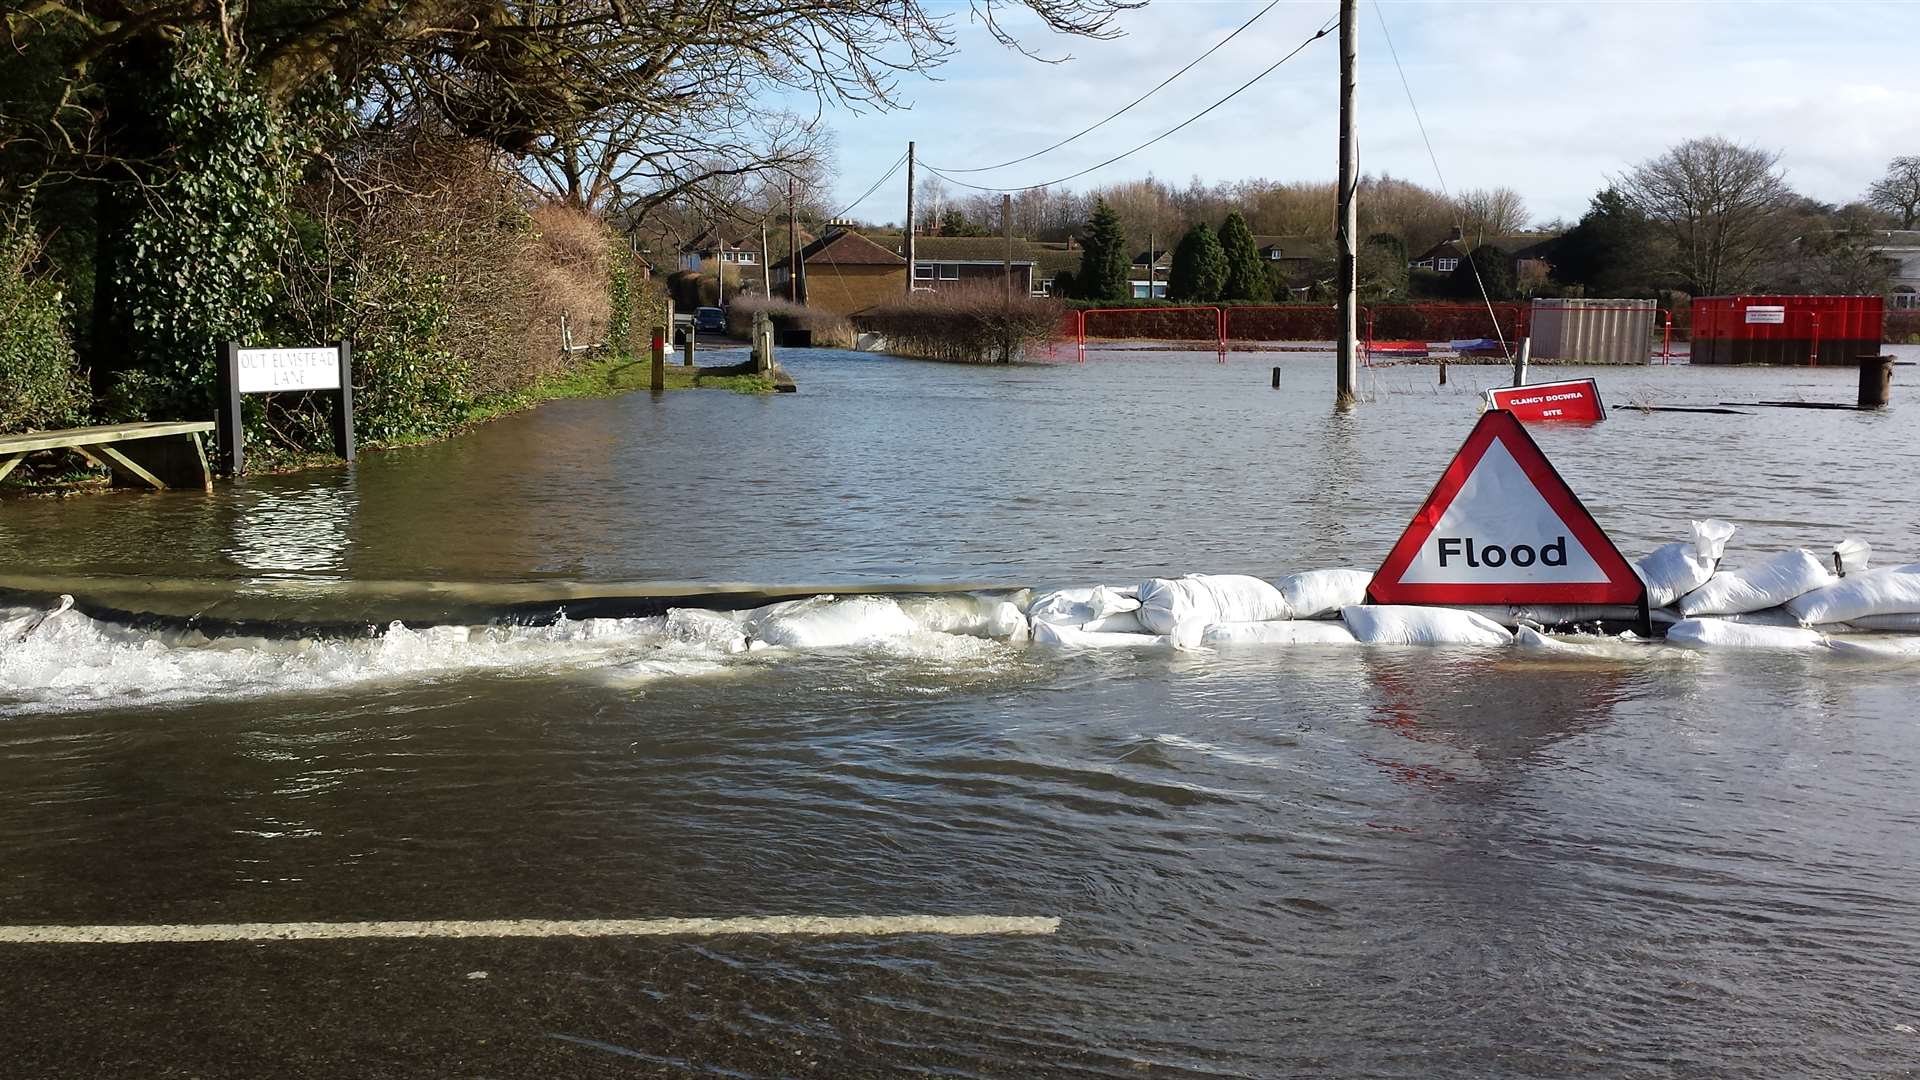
(791, 925)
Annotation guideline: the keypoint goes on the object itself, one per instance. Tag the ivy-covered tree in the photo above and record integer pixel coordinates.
(1199, 266)
(1246, 278)
(1104, 263)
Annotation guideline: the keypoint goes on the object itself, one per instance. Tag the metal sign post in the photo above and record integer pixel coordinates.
(328, 369)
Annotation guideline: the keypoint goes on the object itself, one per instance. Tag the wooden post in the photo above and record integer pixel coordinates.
(1443, 373)
(343, 405)
(232, 452)
(659, 380)
(762, 343)
(1520, 359)
(1276, 378)
(1876, 381)
(1347, 373)
(1006, 226)
(693, 331)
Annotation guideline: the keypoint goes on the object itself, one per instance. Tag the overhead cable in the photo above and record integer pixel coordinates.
(1317, 35)
(1123, 109)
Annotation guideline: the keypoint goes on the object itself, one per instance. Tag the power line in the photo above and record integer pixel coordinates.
(1317, 35)
(1122, 110)
(902, 160)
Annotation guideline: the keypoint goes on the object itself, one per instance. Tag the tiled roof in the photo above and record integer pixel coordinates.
(844, 247)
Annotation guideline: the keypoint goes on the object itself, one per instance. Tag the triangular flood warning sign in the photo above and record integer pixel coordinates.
(1502, 527)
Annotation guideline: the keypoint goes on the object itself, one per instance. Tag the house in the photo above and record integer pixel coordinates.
(1902, 247)
(739, 245)
(947, 263)
(1147, 275)
(845, 273)
(1527, 250)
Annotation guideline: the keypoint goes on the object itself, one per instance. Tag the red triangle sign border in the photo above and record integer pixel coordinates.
(1622, 587)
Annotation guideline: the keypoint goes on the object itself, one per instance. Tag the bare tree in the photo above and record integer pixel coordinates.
(1898, 192)
(1486, 213)
(1720, 204)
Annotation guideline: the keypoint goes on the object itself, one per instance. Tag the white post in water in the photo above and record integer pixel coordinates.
(1347, 374)
(1520, 358)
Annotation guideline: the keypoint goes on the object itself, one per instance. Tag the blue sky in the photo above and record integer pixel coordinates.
(1547, 97)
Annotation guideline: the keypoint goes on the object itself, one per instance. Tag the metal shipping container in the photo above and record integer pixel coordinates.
(1834, 330)
(1577, 330)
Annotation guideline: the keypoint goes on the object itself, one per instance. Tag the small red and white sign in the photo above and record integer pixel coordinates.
(1502, 527)
(1767, 314)
(1576, 401)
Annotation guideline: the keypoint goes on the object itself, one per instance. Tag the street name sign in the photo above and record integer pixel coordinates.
(1502, 527)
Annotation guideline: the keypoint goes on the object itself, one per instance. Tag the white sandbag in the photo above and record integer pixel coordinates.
(1756, 588)
(970, 614)
(1773, 616)
(1573, 614)
(1072, 637)
(824, 622)
(1875, 647)
(1850, 556)
(1077, 607)
(1677, 569)
(1906, 622)
(1722, 634)
(1205, 599)
(1127, 622)
(1315, 593)
(1283, 632)
(1894, 591)
(1399, 624)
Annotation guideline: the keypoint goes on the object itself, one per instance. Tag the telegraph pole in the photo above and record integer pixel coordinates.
(1347, 374)
(1006, 226)
(909, 229)
(793, 247)
(766, 263)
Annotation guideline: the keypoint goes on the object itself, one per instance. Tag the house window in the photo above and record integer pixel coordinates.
(1139, 290)
(949, 272)
(1273, 254)
(1445, 266)
(923, 271)
(746, 256)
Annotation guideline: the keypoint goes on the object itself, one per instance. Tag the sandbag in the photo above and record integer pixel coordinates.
(1127, 622)
(1756, 588)
(1077, 607)
(1315, 593)
(824, 622)
(970, 614)
(1205, 599)
(1894, 591)
(1677, 569)
(1399, 624)
(1283, 632)
(1721, 634)
(1072, 637)
(1906, 622)
(1877, 648)
(1850, 556)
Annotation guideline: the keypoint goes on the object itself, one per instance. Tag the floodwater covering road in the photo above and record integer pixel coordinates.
(1294, 862)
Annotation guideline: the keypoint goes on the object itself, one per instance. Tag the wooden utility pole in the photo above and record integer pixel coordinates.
(909, 228)
(1006, 226)
(793, 246)
(1347, 374)
(766, 263)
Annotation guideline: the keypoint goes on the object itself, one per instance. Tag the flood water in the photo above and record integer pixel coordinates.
(1400, 862)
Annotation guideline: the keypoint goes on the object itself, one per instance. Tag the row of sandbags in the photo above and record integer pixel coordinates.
(1796, 588)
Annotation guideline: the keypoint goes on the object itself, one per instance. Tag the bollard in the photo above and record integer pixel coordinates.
(1276, 378)
(763, 363)
(1520, 361)
(686, 360)
(659, 384)
(1876, 381)
(1443, 373)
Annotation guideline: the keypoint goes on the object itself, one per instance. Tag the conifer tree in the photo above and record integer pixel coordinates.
(1246, 278)
(1104, 263)
(1199, 266)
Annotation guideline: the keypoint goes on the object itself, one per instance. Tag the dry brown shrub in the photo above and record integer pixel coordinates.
(974, 326)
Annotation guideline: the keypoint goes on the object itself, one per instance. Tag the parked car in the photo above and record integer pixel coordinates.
(713, 320)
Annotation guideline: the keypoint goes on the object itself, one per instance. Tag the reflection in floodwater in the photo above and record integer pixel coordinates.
(299, 530)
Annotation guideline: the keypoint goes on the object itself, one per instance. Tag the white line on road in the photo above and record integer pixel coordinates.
(791, 925)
